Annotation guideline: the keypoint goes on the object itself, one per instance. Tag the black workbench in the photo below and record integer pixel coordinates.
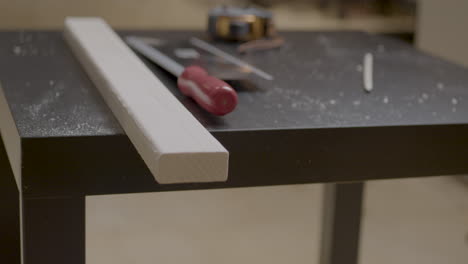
(312, 124)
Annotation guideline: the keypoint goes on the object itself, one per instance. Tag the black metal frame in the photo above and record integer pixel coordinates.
(87, 165)
(9, 213)
(54, 228)
(341, 224)
(53, 196)
(61, 167)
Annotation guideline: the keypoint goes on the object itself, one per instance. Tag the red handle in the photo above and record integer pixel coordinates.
(211, 93)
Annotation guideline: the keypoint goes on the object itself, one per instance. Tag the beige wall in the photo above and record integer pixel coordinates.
(443, 29)
(120, 13)
(177, 14)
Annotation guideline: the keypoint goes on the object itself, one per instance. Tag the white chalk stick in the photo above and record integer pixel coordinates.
(368, 72)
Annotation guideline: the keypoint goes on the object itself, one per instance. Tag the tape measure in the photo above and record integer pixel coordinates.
(239, 24)
(253, 26)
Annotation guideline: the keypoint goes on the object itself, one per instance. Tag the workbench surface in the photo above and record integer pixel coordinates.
(313, 123)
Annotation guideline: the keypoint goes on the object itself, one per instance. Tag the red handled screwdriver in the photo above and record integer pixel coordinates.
(211, 93)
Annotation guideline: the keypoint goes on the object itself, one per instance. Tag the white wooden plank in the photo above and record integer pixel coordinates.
(174, 145)
(12, 142)
(11, 139)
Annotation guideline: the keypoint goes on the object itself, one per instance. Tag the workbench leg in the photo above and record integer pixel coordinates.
(54, 230)
(9, 222)
(9, 213)
(341, 223)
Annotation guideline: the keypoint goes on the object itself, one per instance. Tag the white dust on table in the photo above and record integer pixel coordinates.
(74, 121)
(296, 100)
(85, 128)
(26, 46)
(17, 50)
(359, 68)
(423, 98)
(454, 103)
(305, 103)
(440, 86)
(385, 100)
(381, 48)
(330, 47)
(356, 103)
(25, 50)
(25, 37)
(86, 123)
(42, 106)
(41, 117)
(325, 41)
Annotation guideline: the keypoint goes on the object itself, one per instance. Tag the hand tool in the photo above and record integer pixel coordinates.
(239, 24)
(213, 50)
(211, 93)
(254, 26)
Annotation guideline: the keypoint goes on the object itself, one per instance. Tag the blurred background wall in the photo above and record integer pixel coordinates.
(191, 14)
(442, 29)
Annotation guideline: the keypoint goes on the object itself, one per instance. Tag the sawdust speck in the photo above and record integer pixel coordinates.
(440, 86)
(381, 48)
(359, 68)
(17, 50)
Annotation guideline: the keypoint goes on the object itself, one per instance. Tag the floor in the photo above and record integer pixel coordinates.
(421, 220)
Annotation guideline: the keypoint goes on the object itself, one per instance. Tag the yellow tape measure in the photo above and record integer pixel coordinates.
(239, 24)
